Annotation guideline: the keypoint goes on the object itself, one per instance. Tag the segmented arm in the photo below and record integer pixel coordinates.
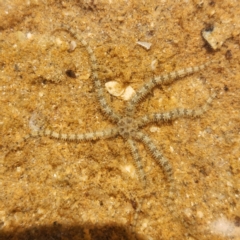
(138, 161)
(106, 109)
(158, 80)
(175, 113)
(164, 163)
(107, 133)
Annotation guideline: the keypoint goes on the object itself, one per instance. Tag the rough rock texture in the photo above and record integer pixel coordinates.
(90, 190)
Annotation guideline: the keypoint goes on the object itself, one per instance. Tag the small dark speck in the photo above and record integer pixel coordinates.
(204, 172)
(212, 3)
(134, 204)
(237, 221)
(228, 55)
(209, 27)
(226, 88)
(70, 73)
(150, 33)
(16, 68)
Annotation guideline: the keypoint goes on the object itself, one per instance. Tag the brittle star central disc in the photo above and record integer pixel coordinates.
(127, 127)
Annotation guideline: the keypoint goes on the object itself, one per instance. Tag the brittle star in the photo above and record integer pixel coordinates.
(128, 127)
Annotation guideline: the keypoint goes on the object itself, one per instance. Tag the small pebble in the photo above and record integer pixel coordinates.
(153, 129)
(217, 35)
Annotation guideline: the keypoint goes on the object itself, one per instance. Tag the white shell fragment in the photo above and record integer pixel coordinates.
(146, 45)
(29, 35)
(58, 41)
(72, 46)
(153, 129)
(116, 89)
(128, 93)
(154, 64)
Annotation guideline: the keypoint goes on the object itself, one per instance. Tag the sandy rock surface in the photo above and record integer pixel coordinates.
(90, 189)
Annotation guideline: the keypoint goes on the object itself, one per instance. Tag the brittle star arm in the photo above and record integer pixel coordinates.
(103, 134)
(158, 80)
(106, 133)
(163, 162)
(97, 83)
(138, 160)
(175, 113)
(138, 163)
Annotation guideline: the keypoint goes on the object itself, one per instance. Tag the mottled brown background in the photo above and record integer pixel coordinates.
(90, 190)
